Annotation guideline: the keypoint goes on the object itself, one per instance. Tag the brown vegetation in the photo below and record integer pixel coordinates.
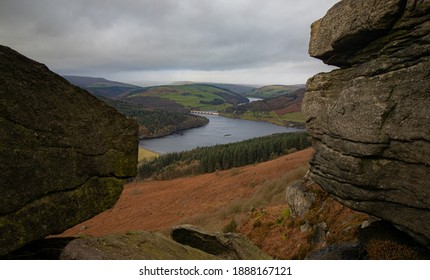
(209, 200)
(378, 249)
(285, 237)
(249, 200)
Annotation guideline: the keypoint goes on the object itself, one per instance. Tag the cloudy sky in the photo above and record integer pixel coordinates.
(231, 41)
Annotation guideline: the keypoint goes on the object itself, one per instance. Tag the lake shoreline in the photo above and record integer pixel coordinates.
(172, 130)
(219, 130)
(291, 124)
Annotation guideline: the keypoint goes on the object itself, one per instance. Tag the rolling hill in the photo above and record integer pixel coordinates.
(156, 116)
(283, 109)
(101, 86)
(157, 121)
(240, 89)
(281, 104)
(273, 91)
(192, 96)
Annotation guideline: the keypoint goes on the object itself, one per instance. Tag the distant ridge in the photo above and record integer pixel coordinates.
(101, 86)
(281, 104)
(236, 88)
(274, 90)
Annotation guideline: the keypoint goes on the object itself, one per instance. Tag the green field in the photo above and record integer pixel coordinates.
(271, 117)
(194, 96)
(146, 155)
(273, 91)
(193, 99)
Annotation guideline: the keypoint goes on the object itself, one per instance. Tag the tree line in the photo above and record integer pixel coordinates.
(226, 156)
(158, 119)
(156, 122)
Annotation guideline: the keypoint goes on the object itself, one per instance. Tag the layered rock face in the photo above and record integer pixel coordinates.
(370, 119)
(63, 153)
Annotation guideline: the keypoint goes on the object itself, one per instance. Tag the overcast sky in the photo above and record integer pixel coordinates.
(231, 41)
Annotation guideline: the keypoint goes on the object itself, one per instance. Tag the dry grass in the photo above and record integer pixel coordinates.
(378, 249)
(279, 235)
(146, 155)
(265, 194)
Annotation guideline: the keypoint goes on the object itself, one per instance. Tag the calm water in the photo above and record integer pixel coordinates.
(220, 130)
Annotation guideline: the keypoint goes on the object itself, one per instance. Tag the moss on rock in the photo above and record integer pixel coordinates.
(63, 152)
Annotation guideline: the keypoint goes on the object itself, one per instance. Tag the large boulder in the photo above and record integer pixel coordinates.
(131, 246)
(298, 199)
(63, 155)
(229, 246)
(370, 120)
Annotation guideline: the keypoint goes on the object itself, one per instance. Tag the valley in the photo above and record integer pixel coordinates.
(336, 169)
(163, 110)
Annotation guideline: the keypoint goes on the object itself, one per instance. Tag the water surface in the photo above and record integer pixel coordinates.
(220, 130)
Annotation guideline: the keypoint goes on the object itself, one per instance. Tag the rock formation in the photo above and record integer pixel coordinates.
(298, 199)
(131, 246)
(188, 243)
(370, 119)
(63, 153)
(229, 246)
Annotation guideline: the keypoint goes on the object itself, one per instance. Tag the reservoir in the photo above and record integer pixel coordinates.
(220, 130)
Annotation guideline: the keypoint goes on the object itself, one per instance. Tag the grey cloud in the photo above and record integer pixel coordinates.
(132, 35)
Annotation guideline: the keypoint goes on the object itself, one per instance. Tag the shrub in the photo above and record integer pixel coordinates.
(230, 227)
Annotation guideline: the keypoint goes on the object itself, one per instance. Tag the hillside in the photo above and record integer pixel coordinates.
(283, 109)
(222, 156)
(250, 200)
(273, 91)
(159, 205)
(101, 86)
(192, 96)
(156, 116)
(157, 121)
(241, 89)
(281, 104)
(270, 203)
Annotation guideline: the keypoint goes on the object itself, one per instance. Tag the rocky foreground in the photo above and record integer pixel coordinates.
(64, 154)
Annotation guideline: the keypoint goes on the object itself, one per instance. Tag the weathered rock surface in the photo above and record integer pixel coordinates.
(370, 120)
(298, 199)
(63, 153)
(131, 246)
(230, 246)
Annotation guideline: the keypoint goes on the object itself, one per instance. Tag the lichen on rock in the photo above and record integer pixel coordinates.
(139, 245)
(369, 120)
(63, 154)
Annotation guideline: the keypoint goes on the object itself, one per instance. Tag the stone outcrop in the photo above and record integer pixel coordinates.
(370, 119)
(230, 246)
(188, 243)
(63, 153)
(131, 246)
(298, 199)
